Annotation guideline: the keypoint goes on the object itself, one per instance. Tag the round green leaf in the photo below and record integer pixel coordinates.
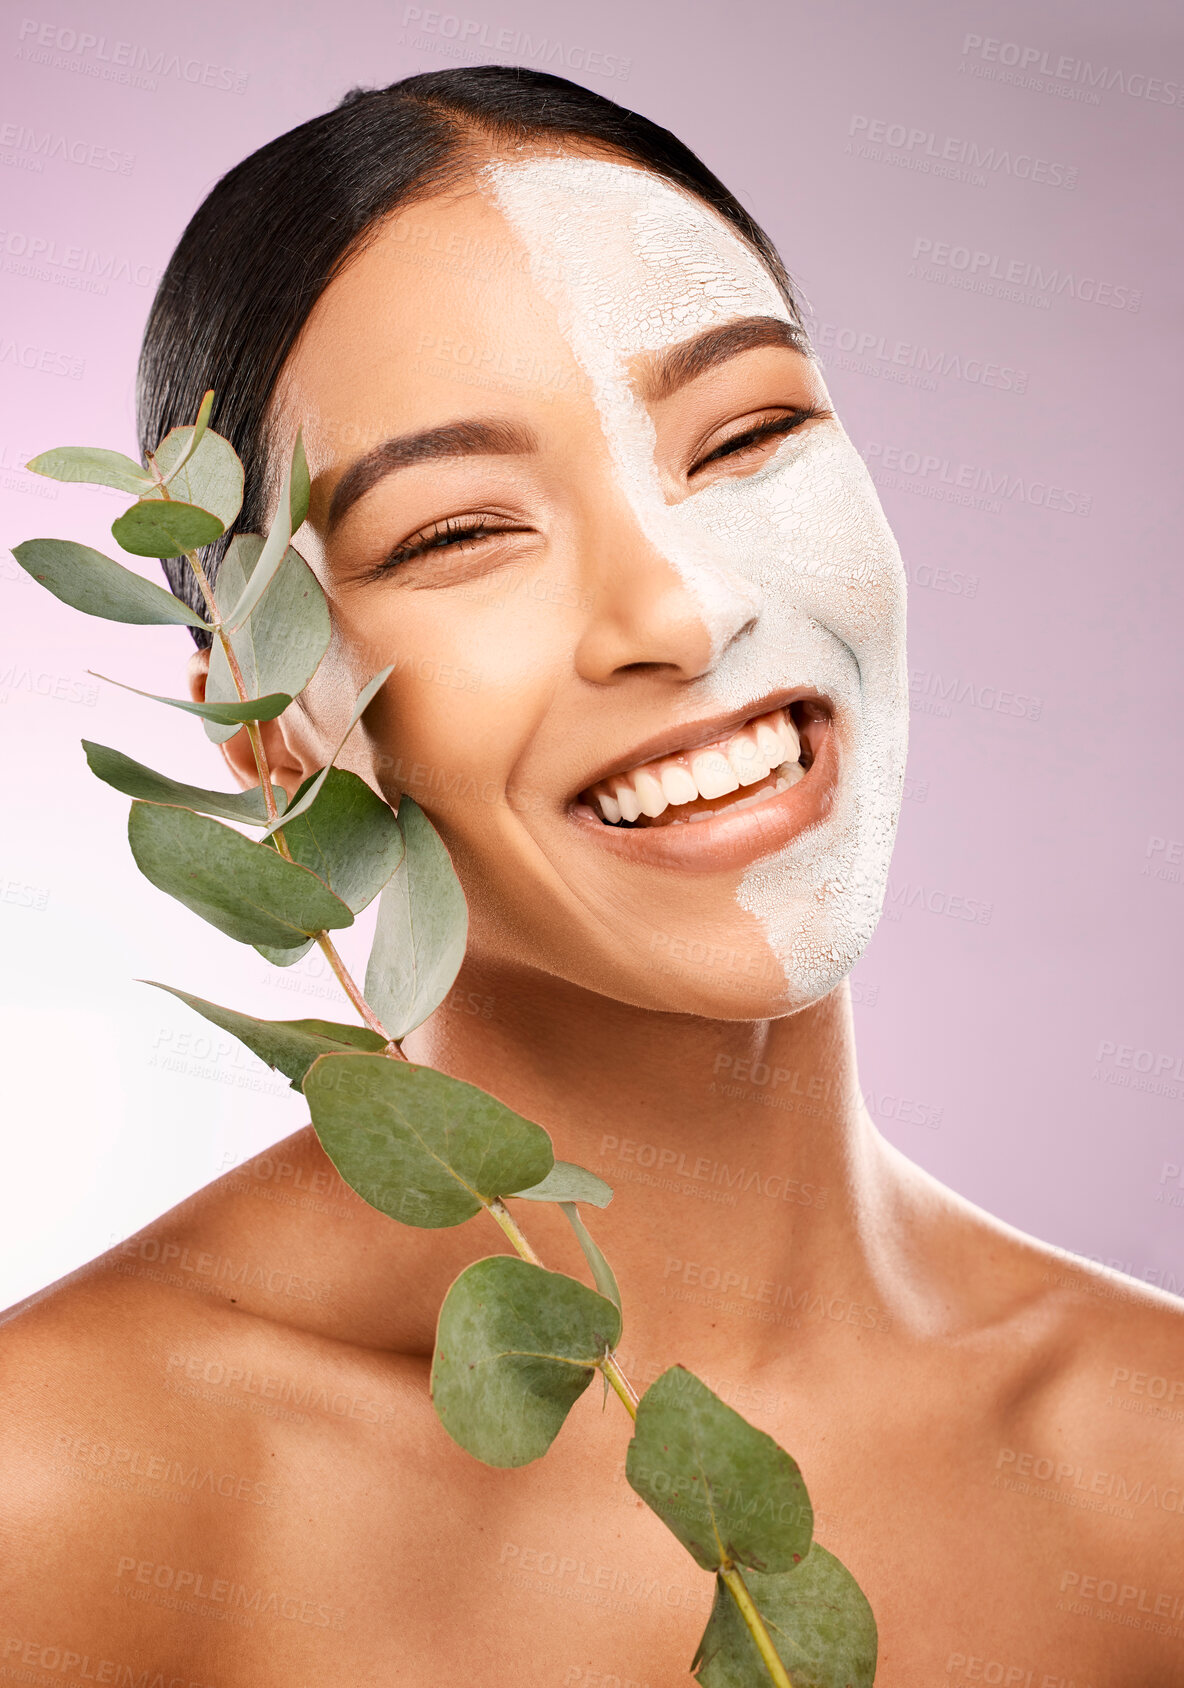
(91, 463)
(516, 1346)
(818, 1619)
(230, 714)
(282, 642)
(567, 1182)
(246, 890)
(134, 779)
(424, 1148)
(154, 528)
(97, 585)
(602, 1273)
(311, 789)
(724, 1488)
(290, 1046)
(423, 923)
(284, 957)
(349, 838)
(211, 478)
(300, 486)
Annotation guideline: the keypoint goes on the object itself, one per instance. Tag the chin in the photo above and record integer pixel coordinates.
(731, 971)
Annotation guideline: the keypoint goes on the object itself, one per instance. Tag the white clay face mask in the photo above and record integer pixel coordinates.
(634, 265)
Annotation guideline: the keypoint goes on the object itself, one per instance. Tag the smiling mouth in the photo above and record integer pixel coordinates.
(757, 761)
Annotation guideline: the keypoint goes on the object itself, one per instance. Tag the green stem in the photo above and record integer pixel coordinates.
(345, 980)
(609, 1365)
(522, 1247)
(240, 686)
(738, 1589)
(622, 1385)
(510, 1226)
(263, 767)
(629, 1400)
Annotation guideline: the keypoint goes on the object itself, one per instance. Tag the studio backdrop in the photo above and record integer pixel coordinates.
(977, 205)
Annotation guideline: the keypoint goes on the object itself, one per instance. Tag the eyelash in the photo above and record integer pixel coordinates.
(452, 534)
(458, 531)
(755, 435)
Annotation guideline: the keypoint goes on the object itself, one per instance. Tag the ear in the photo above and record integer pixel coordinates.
(285, 759)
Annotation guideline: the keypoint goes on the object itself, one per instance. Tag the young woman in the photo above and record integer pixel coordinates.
(576, 474)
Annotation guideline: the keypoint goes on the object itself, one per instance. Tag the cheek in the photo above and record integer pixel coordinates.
(473, 668)
(809, 532)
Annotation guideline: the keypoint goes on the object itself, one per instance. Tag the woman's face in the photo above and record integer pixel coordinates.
(575, 478)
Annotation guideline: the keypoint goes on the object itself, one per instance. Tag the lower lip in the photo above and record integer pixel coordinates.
(733, 838)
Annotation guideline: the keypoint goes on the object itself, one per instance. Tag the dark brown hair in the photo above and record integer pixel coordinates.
(280, 226)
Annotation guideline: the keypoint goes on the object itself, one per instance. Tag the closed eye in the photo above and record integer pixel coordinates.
(456, 533)
(757, 436)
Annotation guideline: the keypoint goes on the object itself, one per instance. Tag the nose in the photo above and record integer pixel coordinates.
(658, 602)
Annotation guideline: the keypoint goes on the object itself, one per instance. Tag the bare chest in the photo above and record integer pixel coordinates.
(384, 1555)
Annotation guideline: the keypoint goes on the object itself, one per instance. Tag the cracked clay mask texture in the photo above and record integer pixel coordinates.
(634, 265)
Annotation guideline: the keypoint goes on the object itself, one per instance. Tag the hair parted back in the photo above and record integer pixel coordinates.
(279, 227)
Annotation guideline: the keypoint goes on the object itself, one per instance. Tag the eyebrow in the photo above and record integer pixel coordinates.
(479, 437)
(660, 375)
(663, 374)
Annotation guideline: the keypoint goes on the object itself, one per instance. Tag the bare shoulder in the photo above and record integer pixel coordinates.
(88, 1434)
(1087, 1352)
(1114, 1351)
(154, 1432)
(1060, 1328)
(1083, 1368)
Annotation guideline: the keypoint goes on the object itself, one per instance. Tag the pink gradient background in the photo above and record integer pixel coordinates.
(1044, 796)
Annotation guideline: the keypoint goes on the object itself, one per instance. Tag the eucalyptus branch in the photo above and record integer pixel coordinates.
(730, 1575)
(517, 1343)
(324, 942)
(344, 979)
(509, 1225)
(610, 1366)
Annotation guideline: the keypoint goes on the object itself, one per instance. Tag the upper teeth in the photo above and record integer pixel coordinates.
(746, 756)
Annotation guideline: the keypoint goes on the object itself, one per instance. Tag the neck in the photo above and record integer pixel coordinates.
(750, 1185)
